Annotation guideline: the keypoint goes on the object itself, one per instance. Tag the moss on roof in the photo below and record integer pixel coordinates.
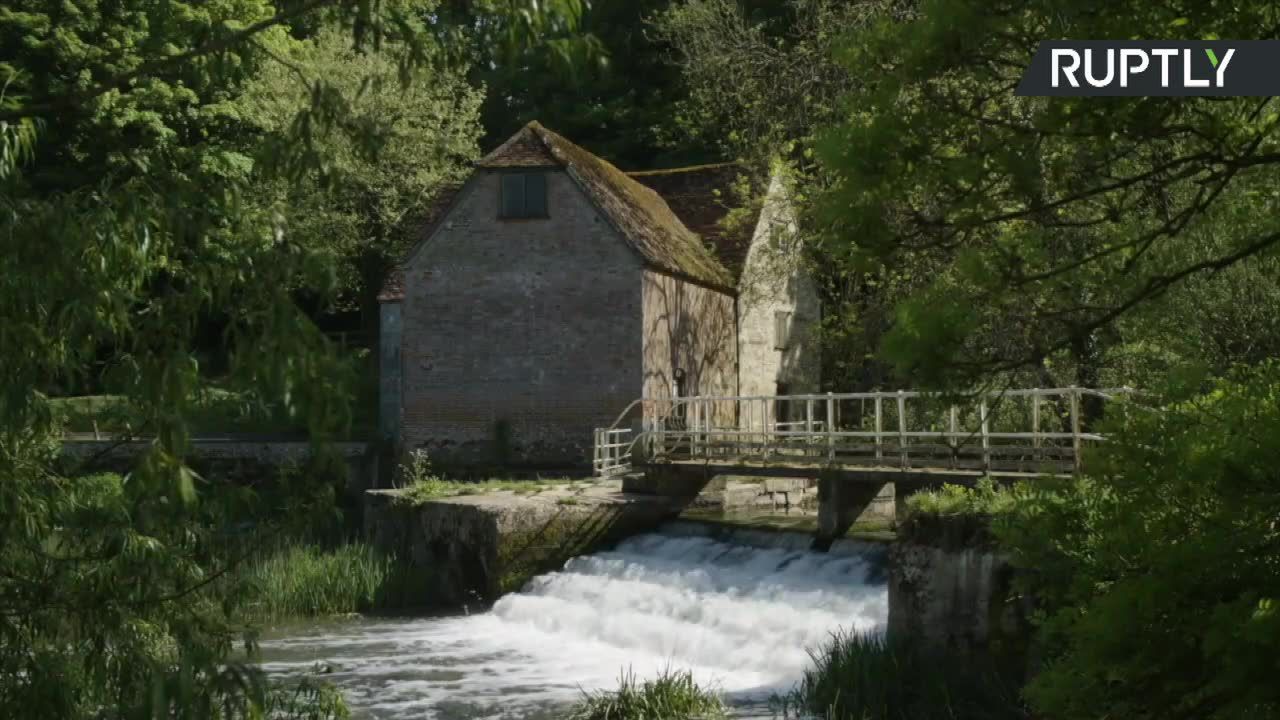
(703, 196)
(640, 214)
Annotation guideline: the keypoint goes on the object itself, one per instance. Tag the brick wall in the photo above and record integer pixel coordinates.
(531, 325)
(689, 327)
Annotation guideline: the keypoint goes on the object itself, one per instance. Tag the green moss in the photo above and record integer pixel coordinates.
(548, 544)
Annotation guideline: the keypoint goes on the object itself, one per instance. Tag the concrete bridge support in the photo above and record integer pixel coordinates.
(843, 501)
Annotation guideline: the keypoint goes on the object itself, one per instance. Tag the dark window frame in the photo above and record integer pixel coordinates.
(522, 211)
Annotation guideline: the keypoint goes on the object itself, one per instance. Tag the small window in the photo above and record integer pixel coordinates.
(781, 329)
(524, 195)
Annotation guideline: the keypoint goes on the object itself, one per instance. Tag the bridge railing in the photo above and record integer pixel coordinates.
(1031, 430)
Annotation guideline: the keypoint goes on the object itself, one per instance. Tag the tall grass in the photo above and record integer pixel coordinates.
(860, 677)
(672, 695)
(300, 580)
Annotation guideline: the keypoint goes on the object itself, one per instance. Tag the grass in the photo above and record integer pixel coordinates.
(985, 498)
(672, 695)
(300, 580)
(860, 677)
(420, 483)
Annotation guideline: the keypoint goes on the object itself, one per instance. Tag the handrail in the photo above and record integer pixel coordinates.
(751, 425)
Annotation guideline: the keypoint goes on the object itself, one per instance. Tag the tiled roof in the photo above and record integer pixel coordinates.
(639, 213)
(671, 217)
(524, 149)
(701, 197)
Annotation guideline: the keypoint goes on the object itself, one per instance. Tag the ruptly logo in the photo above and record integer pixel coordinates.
(1066, 68)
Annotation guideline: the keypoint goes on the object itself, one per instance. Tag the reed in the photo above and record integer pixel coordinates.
(301, 580)
(861, 677)
(672, 694)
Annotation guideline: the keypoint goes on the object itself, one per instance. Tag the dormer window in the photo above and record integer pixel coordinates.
(524, 195)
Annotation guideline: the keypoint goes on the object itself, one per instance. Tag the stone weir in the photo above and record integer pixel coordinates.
(471, 549)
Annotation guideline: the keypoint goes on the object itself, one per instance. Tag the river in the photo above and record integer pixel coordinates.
(741, 617)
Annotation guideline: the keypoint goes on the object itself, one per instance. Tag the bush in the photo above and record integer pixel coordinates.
(984, 498)
(1158, 574)
(861, 677)
(672, 695)
(307, 581)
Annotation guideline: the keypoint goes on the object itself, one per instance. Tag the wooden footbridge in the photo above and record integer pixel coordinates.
(1033, 431)
(854, 444)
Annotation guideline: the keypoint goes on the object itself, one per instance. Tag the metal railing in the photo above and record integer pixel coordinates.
(1031, 430)
(612, 455)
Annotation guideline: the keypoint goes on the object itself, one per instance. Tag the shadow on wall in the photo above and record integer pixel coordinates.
(690, 329)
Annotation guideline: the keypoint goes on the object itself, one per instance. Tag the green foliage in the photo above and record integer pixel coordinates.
(307, 700)
(593, 73)
(765, 81)
(299, 580)
(672, 694)
(861, 677)
(985, 498)
(365, 204)
(131, 212)
(213, 410)
(1157, 574)
(1046, 234)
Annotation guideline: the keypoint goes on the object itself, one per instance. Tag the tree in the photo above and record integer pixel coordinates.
(364, 208)
(765, 79)
(128, 211)
(1158, 576)
(1046, 221)
(597, 75)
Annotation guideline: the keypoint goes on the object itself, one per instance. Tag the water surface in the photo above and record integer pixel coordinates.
(739, 617)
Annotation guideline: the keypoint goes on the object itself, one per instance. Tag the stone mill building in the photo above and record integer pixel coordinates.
(551, 290)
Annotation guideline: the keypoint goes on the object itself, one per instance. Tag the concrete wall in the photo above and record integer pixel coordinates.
(950, 587)
(528, 329)
(389, 338)
(775, 278)
(688, 327)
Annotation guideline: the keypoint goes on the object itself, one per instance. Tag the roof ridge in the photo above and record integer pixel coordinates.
(684, 169)
(638, 211)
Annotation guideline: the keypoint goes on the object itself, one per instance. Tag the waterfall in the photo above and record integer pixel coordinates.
(739, 611)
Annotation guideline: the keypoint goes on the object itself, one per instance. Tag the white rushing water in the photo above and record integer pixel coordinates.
(740, 617)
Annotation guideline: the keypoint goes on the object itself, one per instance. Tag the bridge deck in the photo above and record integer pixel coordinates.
(863, 473)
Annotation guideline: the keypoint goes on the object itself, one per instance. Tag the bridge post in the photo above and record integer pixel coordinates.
(986, 435)
(952, 435)
(831, 427)
(1075, 428)
(902, 430)
(879, 429)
